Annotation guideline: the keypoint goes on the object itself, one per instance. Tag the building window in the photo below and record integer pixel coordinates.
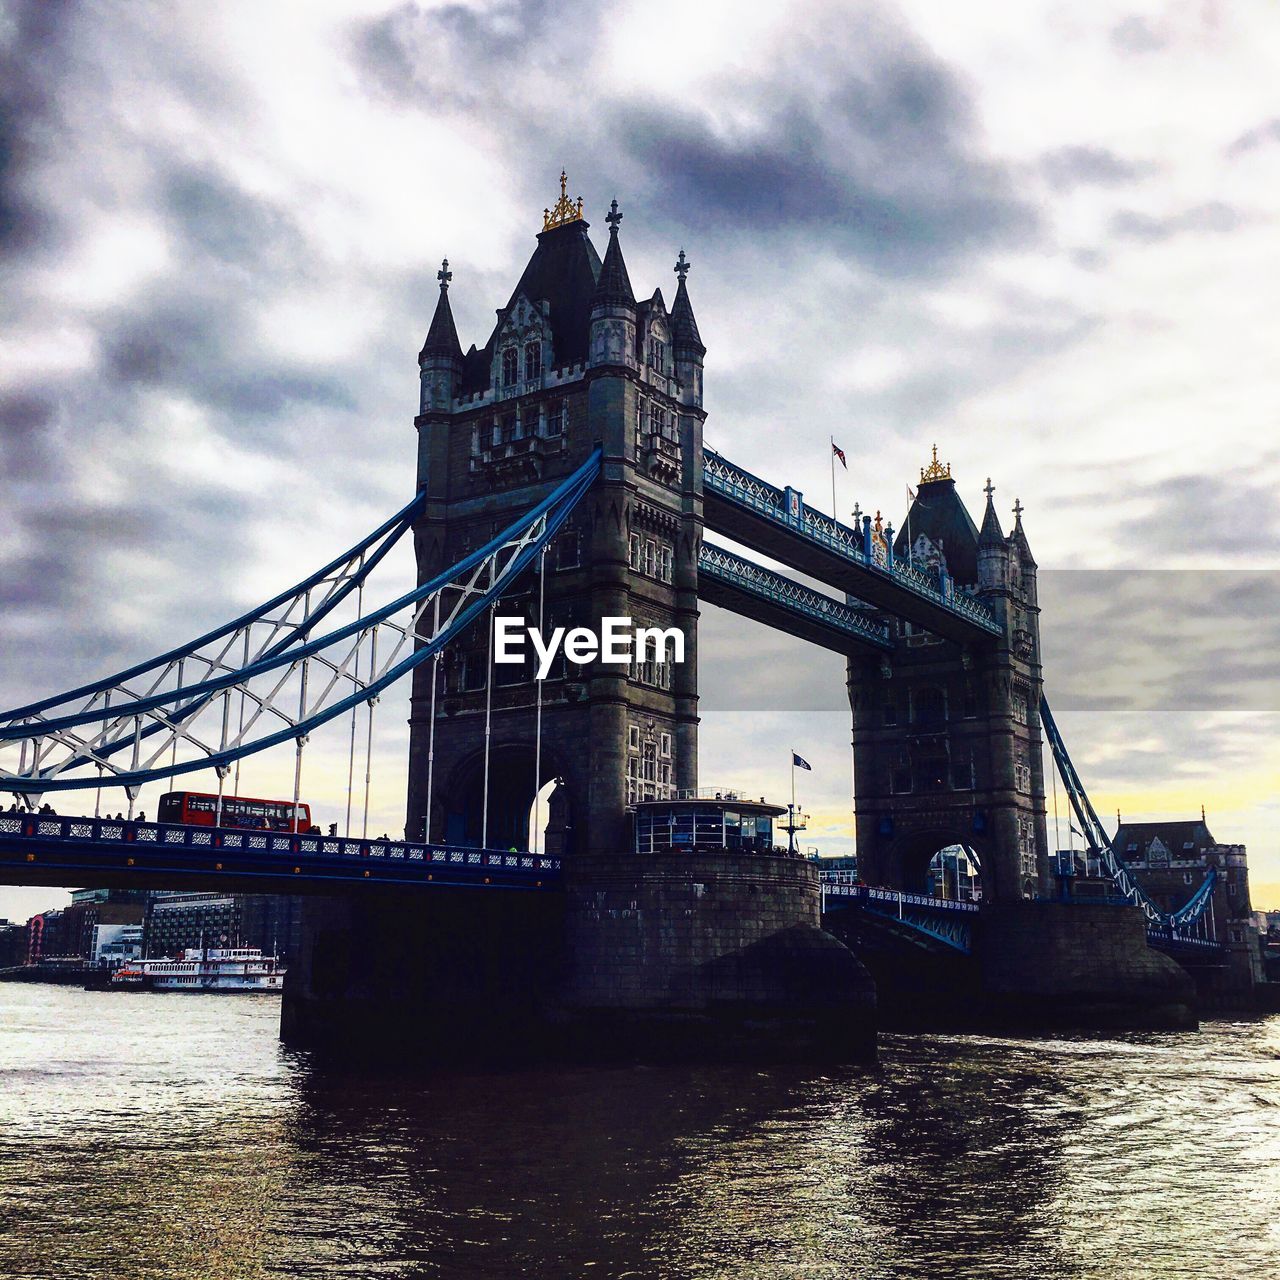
(555, 419)
(1020, 705)
(633, 737)
(657, 355)
(567, 549)
(471, 673)
(889, 713)
(532, 360)
(664, 745)
(650, 557)
(930, 705)
(640, 406)
(508, 428)
(664, 562)
(510, 367)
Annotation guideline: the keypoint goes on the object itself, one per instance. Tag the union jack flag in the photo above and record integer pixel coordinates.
(839, 452)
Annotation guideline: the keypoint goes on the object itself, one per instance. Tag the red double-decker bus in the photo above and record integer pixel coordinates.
(194, 808)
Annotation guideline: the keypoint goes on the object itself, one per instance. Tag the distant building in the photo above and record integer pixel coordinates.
(176, 922)
(13, 945)
(115, 944)
(1170, 860)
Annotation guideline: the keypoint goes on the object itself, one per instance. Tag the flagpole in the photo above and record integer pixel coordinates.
(910, 551)
(791, 817)
(835, 511)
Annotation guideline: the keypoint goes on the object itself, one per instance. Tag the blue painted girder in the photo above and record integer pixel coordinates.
(41, 849)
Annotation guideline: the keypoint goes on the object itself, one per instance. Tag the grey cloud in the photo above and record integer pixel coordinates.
(1075, 166)
(460, 57)
(225, 223)
(1229, 512)
(1262, 135)
(31, 61)
(1213, 217)
(1138, 34)
(856, 132)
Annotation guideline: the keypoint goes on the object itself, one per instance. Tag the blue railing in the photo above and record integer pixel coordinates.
(733, 570)
(104, 836)
(731, 481)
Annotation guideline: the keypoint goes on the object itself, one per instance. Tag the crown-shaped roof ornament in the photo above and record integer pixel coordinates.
(935, 470)
(565, 210)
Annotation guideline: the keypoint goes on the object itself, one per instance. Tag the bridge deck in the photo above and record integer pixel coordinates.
(751, 511)
(38, 849)
(752, 591)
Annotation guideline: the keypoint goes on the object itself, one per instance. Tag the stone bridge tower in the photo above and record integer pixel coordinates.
(573, 362)
(946, 738)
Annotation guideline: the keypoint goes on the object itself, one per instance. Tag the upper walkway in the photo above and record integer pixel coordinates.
(781, 525)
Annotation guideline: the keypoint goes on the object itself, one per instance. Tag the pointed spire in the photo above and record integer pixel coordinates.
(613, 284)
(1019, 535)
(684, 328)
(442, 337)
(991, 534)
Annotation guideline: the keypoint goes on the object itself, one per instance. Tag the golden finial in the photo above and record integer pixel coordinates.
(879, 527)
(565, 210)
(935, 470)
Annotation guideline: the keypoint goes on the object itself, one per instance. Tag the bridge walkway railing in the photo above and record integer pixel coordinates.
(110, 845)
(787, 511)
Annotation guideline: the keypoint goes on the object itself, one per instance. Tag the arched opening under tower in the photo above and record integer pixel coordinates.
(513, 798)
(937, 864)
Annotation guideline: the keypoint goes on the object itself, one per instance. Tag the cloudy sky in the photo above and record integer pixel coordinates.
(1041, 235)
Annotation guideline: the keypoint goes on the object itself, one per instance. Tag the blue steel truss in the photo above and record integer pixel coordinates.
(40, 848)
(731, 481)
(50, 745)
(764, 584)
(1177, 922)
(933, 920)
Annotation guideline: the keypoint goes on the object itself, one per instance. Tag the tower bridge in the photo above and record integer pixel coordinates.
(561, 472)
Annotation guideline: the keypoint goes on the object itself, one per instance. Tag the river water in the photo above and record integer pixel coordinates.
(147, 1135)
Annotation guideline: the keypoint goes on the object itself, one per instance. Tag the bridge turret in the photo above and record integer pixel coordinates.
(993, 551)
(1021, 561)
(613, 305)
(686, 341)
(439, 370)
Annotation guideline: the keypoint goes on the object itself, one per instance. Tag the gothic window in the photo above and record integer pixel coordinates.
(900, 780)
(889, 713)
(970, 700)
(472, 669)
(508, 428)
(650, 557)
(568, 549)
(640, 407)
(929, 705)
(1020, 704)
(962, 770)
(657, 355)
(633, 737)
(664, 745)
(635, 554)
(555, 419)
(1021, 767)
(664, 563)
(510, 367)
(931, 773)
(532, 360)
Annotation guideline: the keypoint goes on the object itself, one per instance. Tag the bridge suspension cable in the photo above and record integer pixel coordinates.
(1180, 921)
(118, 731)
